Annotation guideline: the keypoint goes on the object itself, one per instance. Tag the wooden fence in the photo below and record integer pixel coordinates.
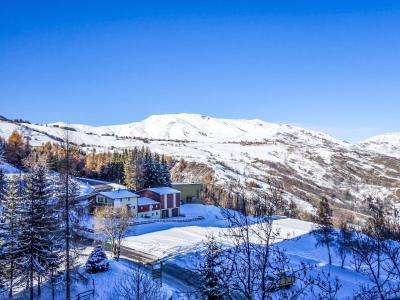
(86, 295)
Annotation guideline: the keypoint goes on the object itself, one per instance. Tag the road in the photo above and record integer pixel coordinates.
(181, 279)
(137, 256)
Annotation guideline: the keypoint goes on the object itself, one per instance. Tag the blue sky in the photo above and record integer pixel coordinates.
(327, 65)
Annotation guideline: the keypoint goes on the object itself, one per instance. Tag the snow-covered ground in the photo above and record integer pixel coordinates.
(170, 239)
(104, 282)
(182, 243)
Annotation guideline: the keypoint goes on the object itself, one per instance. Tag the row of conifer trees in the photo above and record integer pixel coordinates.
(136, 168)
(34, 243)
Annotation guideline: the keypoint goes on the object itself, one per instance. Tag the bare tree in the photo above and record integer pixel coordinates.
(137, 284)
(113, 221)
(325, 287)
(377, 249)
(258, 267)
(376, 227)
(344, 239)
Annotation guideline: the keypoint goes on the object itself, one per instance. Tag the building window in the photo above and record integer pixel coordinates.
(100, 199)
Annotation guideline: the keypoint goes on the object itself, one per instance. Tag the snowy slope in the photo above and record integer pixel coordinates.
(183, 244)
(309, 164)
(194, 127)
(172, 239)
(387, 144)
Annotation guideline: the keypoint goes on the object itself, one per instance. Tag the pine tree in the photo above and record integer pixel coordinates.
(165, 176)
(38, 225)
(2, 236)
(97, 261)
(155, 171)
(325, 233)
(12, 248)
(149, 171)
(209, 271)
(3, 193)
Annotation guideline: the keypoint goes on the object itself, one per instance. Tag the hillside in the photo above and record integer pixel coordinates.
(387, 144)
(309, 164)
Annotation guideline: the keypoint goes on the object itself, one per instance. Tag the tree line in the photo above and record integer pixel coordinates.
(136, 168)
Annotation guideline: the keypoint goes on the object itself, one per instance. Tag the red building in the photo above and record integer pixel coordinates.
(148, 208)
(168, 199)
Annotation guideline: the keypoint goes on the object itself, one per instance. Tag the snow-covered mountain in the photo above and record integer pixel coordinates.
(192, 127)
(309, 164)
(387, 144)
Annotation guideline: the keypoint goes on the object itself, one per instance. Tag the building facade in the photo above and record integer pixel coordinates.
(190, 192)
(117, 199)
(154, 203)
(168, 198)
(148, 208)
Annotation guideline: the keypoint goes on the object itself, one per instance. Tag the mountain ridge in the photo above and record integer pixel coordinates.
(309, 164)
(189, 119)
(185, 116)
